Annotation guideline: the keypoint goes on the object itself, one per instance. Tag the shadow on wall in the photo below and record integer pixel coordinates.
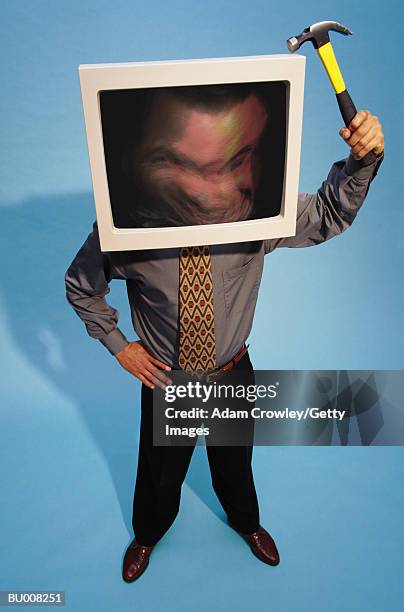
(42, 237)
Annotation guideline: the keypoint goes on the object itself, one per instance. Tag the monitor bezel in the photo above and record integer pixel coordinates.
(95, 78)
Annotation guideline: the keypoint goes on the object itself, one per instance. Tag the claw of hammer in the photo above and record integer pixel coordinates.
(317, 33)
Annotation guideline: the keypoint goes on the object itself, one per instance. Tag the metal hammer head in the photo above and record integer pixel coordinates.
(317, 34)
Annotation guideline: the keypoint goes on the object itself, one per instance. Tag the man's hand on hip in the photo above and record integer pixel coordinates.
(136, 360)
(364, 134)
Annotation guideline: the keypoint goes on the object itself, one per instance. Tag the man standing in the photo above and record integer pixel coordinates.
(223, 280)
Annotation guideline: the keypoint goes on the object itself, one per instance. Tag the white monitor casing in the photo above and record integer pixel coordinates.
(264, 68)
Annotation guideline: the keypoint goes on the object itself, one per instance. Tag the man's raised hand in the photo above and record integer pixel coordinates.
(364, 134)
(136, 360)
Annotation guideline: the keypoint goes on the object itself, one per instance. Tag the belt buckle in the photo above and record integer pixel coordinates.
(212, 373)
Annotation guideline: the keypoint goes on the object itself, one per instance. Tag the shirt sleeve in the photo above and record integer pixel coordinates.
(86, 282)
(330, 211)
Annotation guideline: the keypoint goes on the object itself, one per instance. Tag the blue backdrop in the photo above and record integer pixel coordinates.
(69, 414)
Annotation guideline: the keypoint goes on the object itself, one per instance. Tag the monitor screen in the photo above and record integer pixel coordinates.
(194, 155)
(184, 153)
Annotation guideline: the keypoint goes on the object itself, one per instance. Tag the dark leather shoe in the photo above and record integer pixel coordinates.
(262, 545)
(135, 561)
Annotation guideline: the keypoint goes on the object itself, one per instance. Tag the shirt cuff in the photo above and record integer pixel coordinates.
(115, 341)
(361, 169)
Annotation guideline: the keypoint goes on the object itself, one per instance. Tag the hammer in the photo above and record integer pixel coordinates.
(318, 35)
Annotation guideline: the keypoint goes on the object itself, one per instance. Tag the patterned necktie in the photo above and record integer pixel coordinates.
(196, 320)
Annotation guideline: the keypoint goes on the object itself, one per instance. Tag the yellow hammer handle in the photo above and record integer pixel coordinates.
(330, 63)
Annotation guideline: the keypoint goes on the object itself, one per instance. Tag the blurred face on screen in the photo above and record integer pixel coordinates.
(197, 165)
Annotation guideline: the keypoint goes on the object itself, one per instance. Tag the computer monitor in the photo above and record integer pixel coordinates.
(194, 152)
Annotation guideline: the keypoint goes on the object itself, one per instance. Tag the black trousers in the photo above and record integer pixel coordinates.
(162, 469)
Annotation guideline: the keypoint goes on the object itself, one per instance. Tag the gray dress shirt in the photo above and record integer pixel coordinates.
(152, 276)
